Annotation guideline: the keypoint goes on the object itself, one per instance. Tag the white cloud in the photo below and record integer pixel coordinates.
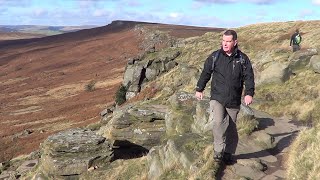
(305, 13)
(316, 2)
(100, 12)
(39, 12)
(174, 15)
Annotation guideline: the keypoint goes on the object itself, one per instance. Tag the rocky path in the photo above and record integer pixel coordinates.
(256, 160)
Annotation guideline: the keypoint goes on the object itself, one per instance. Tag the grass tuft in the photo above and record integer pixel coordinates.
(90, 86)
(303, 160)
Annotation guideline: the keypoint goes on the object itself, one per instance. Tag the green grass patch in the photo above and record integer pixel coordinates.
(121, 95)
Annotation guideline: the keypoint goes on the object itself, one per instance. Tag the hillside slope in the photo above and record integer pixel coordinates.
(56, 82)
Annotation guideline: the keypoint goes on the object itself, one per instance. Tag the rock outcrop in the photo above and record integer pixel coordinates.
(301, 59)
(315, 63)
(72, 152)
(147, 68)
(183, 152)
(276, 72)
(136, 125)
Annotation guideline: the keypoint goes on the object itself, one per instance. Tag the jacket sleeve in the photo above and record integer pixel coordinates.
(205, 74)
(248, 77)
(291, 40)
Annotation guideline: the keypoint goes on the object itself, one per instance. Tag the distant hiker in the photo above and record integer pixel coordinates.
(295, 41)
(230, 70)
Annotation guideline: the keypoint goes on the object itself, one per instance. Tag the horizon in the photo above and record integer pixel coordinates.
(188, 12)
(94, 26)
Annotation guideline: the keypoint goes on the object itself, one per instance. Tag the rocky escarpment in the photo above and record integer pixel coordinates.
(132, 129)
(146, 68)
(270, 71)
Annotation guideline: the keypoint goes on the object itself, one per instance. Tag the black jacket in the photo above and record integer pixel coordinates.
(293, 39)
(228, 78)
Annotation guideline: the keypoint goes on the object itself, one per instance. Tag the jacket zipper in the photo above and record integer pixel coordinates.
(233, 66)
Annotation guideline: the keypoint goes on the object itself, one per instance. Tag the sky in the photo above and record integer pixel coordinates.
(207, 13)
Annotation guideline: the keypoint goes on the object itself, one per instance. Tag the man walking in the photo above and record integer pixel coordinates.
(231, 70)
(295, 41)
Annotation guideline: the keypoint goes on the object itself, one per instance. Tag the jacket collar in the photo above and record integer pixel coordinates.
(234, 53)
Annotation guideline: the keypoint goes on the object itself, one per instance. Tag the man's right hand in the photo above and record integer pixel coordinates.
(199, 95)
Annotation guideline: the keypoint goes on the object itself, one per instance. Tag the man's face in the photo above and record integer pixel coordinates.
(228, 43)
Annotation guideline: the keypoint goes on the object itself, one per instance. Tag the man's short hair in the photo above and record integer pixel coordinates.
(231, 32)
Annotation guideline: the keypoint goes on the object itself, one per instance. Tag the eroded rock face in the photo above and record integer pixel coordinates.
(277, 73)
(179, 118)
(315, 63)
(301, 58)
(141, 125)
(181, 151)
(201, 118)
(147, 68)
(73, 151)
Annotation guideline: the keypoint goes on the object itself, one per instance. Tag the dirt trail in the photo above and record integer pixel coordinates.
(282, 131)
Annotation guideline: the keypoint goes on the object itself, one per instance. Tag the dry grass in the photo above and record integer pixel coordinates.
(203, 168)
(303, 161)
(61, 92)
(13, 81)
(65, 91)
(58, 126)
(272, 38)
(107, 83)
(298, 98)
(174, 171)
(134, 169)
(42, 121)
(33, 99)
(208, 168)
(257, 41)
(30, 109)
(246, 126)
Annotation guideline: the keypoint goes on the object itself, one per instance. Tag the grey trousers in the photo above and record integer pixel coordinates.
(225, 133)
(295, 48)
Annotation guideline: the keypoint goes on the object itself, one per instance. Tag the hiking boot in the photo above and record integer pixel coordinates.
(217, 157)
(228, 159)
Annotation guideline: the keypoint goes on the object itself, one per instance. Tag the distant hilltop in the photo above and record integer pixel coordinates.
(43, 30)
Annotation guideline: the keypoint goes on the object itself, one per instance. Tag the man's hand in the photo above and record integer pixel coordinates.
(247, 100)
(199, 95)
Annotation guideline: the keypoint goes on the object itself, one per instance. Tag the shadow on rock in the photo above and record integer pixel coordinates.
(128, 150)
(280, 146)
(265, 123)
(283, 142)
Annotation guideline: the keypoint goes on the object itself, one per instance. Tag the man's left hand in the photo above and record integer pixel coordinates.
(247, 100)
